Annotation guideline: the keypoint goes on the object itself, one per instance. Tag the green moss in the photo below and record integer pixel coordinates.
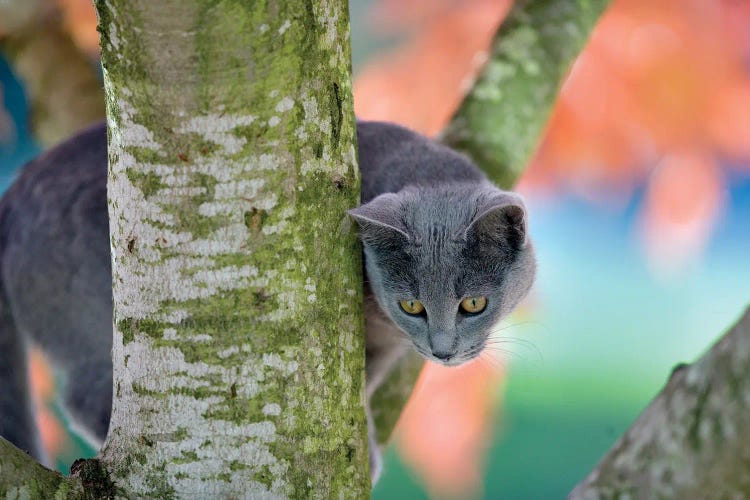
(94, 478)
(310, 264)
(501, 119)
(139, 389)
(148, 183)
(180, 434)
(159, 486)
(147, 155)
(264, 477)
(187, 456)
(128, 327)
(140, 457)
(235, 466)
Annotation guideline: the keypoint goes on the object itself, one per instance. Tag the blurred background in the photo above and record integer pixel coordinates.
(639, 197)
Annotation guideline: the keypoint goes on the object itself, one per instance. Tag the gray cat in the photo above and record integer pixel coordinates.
(446, 253)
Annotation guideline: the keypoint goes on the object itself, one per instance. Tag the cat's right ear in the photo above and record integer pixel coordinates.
(381, 220)
(501, 219)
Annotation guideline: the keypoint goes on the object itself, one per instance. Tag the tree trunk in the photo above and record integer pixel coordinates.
(238, 345)
(23, 477)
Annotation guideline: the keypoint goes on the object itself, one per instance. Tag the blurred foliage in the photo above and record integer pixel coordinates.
(61, 81)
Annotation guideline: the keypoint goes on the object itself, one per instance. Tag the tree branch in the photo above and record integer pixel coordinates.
(693, 440)
(64, 90)
(23, 477)
(500, 121)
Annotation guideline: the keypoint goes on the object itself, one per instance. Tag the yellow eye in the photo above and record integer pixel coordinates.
(412, 306)
(474, 305)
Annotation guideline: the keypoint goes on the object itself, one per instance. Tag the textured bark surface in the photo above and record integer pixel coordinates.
(238, 346)
(693, 440)
(63, 88)
(22, 477)
(500, 121)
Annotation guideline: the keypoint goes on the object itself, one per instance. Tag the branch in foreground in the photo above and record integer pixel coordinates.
(693, 441)
(23, 477)
(500, 121)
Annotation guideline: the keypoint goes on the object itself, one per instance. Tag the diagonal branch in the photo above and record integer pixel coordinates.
(693, 440)
(501, 119)
(63, 87)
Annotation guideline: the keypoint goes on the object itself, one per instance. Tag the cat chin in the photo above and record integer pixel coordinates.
(451, 363)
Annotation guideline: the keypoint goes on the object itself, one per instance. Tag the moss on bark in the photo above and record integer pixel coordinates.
(22, 477)
(237, 276)
(502, 118)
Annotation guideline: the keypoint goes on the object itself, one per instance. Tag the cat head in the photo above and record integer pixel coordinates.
(447, 263)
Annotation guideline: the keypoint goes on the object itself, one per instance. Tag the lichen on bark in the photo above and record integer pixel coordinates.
(22, 477)
(238, 347)
(501, 119)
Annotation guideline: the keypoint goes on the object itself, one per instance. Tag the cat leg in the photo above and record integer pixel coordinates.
(384, 346)
(88, 399)
(17, 423)
(376, 458)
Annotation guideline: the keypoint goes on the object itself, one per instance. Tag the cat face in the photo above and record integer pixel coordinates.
(446, 264)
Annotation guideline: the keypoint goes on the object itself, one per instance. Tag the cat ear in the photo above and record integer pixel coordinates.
(381, 219)
(502, 219)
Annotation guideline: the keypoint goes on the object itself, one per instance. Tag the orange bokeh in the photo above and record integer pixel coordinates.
(656, 76)
(444, 433)
(79, 19)
(43, 389)
(683, 202)
(421, 83)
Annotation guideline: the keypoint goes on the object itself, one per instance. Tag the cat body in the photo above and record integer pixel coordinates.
(436, 233)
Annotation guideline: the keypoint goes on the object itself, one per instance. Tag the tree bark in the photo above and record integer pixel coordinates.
(64, 91)
(22, 477)
(500, 121)
(239, 344)
(693, 440)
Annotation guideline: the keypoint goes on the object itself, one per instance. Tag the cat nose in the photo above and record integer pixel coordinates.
(441, 355)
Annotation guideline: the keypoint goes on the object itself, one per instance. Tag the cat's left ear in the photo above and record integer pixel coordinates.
(381, 219)
(502, 218)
